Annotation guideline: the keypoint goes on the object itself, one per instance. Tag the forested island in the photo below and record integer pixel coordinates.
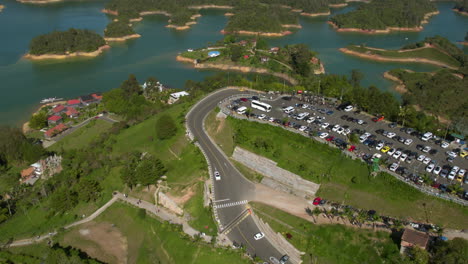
(384, 16)
(65, 44)
(461, 7)
(432, 50)
(442, 93)
(119, 31)
(291, 62)
(269, 18)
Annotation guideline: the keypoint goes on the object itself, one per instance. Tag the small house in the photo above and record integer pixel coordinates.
(58, 109)
(174, 97)
(274, 50)
(74, 103)
(72, 112)
(97, 97)
(55, 130)
(413, 238)
(243, 42)
(87, 99)
(54, 119)
(27, 173)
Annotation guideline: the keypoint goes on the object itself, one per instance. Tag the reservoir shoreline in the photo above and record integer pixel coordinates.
(95, 53)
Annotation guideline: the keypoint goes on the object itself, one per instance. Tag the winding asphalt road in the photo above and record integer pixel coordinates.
(233, 188)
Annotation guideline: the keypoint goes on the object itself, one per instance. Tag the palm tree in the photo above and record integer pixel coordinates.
(404, 111)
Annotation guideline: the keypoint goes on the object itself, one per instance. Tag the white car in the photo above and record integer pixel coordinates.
(430, 167)
(364, 136)
(347, 131)
(437, 170)
(444, 144)
(394, 167)
(379, 146)
(452, 175)
(376, 156)
(310, 120)
(340, 130)
(426, 149)
(349, 108)
(461, 172)
(391, 135)
(323, 135)
(272, 119)
(262, 116)
(391, 151)
(335, 128)
(403, 157)
(305, 106)
(325, 125)
(397, 154)
(259, 236)
(302, 128)
(360, 121)
(455, 168)
(217, 176)
(421, 157)
(426, 160)
(451, 154)
(408, 141)
(427, 136)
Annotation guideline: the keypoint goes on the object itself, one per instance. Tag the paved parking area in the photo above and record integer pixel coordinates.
(324, 112)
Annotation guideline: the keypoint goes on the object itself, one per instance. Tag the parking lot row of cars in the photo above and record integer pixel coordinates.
(422, 153)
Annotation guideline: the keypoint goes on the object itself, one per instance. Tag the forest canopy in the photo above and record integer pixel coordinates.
(380, 14)
(118, 29)
(63, 42)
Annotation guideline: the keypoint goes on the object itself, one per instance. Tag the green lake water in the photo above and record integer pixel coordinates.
(25, 83)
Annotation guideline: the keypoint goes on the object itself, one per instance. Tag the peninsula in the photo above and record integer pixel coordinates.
(119, 31)
(385, 16)
(461, 7)
(434, 50)
(253, 56)
(66, 44)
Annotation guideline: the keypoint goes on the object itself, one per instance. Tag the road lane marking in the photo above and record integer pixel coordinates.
(223, 200)
(242, 234)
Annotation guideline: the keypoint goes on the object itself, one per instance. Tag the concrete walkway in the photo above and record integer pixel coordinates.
(158, 211)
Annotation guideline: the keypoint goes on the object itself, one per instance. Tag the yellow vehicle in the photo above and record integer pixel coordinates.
(459, 178)
(385, 149)
(463, 153)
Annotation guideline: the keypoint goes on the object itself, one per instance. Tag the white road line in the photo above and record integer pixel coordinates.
(217, 201)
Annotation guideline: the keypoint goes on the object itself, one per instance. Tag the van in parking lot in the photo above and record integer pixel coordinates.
(241, 110)
(426, 136)
(289, 109)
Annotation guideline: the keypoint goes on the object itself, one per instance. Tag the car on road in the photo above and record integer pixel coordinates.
(217, 175)
(394, 167)
(259, 236)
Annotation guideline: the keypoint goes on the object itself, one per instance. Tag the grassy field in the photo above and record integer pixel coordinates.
(343, 180)
(330, 243)
(145, 239)
(202, 217)
(82, 136)
(426, 53)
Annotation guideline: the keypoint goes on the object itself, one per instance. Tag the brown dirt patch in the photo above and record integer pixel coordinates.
(187, 194)
(99, 240)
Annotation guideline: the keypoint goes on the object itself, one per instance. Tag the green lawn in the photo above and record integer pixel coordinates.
(330, 243)
(427, 53)
(150, 240)
(83, 136)
(343, 180)
(202, 217)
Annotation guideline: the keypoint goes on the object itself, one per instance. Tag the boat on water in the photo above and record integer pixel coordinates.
(50, 100)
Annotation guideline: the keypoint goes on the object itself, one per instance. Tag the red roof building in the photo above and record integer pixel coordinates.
(55, 119)
(73, 102)
(55, 130)
(58, 109)
(72, 112)
(97, 96)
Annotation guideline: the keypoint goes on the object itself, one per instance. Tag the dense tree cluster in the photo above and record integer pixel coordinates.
(117, 29)
(39, 120)
(380, 14)
(442, 93)
(165, 127)
(54, 254)
(142, 168)
(63, 42)
(16, 149)
(461, 6)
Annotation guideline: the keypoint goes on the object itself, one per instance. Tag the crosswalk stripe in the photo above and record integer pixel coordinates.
(230, 204)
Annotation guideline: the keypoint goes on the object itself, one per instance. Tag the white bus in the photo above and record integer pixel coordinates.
(260, 106)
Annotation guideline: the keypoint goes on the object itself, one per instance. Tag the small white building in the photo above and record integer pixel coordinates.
(176, 96)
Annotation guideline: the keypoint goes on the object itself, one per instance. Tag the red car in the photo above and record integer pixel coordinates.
(352, 148)
(329, 138)
(244, 99)
(378, 118)
(317, 201)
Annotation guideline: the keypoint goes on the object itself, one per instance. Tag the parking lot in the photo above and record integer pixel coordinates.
(403, 148)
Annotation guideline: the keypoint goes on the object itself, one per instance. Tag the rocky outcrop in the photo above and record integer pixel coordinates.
(68, 55)
(168, 203)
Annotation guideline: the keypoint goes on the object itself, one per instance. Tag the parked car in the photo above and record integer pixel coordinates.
(394, 167)
(426, 160)
(349, 108)
(323, 135)
(426, 149)
(408, 141)
(430, 167)
(437, 170)
(317, 201)
(444, 144)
